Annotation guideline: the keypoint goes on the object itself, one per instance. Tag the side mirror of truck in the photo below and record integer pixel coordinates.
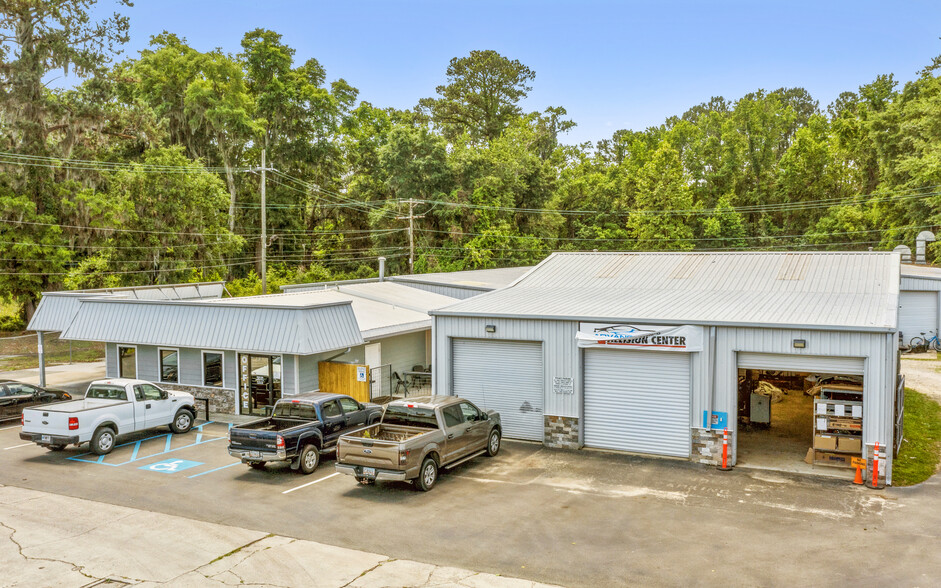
(163, 395)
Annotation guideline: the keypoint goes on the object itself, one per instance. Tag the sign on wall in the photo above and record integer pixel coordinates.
(563, 385)
(656, 338)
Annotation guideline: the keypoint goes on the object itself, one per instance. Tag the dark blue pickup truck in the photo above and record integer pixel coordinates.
(300, 429)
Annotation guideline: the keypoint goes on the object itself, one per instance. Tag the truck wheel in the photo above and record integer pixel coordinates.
(493, 443)
(256, 465)
(309, 459)
(55, 447)
(427, 475)
(102, 442)
(182, 421)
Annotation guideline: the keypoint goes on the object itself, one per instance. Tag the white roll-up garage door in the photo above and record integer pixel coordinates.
(813, 364)
(506, 376)
(918, 313)
(638, 401)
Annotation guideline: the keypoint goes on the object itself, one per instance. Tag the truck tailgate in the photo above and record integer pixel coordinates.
(366, 447)
(54, 418)
(256, 439)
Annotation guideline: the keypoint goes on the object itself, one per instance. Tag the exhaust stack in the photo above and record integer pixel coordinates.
(382, 269)
(921, 240)
(905, 251)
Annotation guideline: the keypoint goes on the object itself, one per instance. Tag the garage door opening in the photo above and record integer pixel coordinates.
(799, 421)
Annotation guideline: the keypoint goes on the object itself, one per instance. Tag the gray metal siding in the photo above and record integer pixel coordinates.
(638, 401)
(452, 291)
(505, 376)
(307, 372)
(403, 351)
(211, 325)
(288, 382)
(918, 313)
(920, 284)
(148, 363)
(560, 353)
(878, 380)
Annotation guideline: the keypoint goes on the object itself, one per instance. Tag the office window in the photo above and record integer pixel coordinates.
(127, 362)
(212, 369)
(169, 365)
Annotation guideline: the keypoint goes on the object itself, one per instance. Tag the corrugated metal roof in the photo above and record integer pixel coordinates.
(56, 309)
(837, 290)
(485, 279)
(921, 271)
(399, 295)
(242, 326)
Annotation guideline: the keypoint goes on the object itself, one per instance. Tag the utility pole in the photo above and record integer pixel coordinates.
(264, 230)
(411, 232)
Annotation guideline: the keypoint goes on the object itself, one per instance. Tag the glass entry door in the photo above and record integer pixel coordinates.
(259, 382)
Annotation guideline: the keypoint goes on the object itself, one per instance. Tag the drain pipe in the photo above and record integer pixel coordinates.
(382, 269)
(348, 349)
(712, 377)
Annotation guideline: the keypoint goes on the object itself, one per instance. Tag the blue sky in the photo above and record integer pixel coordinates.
(612, 65)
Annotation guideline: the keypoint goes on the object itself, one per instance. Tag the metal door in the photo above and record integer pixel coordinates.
(637, 401)
(918, 313)
(506, 376)
(813, 364)
(333, 422)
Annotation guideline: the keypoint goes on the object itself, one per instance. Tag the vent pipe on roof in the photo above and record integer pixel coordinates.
(382, 269)
(920, 245)
(905, 251)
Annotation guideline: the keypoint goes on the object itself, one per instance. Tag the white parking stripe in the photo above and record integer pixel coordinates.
(8, 428)
(15, 446)
(309, 483)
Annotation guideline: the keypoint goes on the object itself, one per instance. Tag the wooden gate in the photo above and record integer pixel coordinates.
(344, 378)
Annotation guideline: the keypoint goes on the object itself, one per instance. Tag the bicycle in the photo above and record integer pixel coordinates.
(921, 343)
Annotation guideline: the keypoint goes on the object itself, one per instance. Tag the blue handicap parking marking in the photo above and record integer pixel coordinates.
(171, 466)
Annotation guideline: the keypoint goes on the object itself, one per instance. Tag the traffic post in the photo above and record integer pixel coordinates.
(725, 451)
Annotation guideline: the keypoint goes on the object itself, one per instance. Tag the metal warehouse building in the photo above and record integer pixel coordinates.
(919, 300)
(657, 353)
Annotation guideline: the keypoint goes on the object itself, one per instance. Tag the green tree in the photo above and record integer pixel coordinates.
(664, 203)
(481, 97)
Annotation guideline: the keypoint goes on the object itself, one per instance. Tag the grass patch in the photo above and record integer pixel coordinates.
(18, 351)
(921, 446)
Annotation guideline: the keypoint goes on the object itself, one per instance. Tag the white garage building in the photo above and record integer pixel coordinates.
(642, 352)
(919, 300)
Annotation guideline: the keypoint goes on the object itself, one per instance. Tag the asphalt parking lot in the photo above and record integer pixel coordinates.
(573, 518)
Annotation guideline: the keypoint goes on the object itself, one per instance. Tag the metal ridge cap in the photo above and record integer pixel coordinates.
(212, 303)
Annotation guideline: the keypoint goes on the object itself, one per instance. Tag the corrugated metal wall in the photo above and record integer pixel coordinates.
(920, 285)
(452, 291)
(560, 353)
(111, 360)
(288, 382)
(879, 378)
(403, 351)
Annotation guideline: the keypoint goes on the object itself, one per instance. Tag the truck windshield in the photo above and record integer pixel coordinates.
(410, 416)
(296, 410)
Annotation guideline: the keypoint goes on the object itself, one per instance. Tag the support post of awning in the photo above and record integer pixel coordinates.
(42, 362)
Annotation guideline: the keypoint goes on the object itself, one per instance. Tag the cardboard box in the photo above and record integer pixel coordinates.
(854, 444)
(832, 459)
(825, 442)
(845, 423)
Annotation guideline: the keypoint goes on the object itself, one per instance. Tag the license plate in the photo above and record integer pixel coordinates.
(254, 454)
(371, 472)
(46, 438)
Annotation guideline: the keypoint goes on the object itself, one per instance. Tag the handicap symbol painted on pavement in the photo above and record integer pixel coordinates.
(170, 466)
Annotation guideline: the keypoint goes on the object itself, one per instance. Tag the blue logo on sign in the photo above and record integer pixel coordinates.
(170, 466)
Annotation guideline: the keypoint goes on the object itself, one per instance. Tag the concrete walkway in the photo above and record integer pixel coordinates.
(52, 540)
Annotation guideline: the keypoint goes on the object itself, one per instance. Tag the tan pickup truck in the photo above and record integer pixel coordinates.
(416, 438)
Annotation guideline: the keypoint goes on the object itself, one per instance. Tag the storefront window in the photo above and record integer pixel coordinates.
(127, 362)
(169, 366)
(212, 369)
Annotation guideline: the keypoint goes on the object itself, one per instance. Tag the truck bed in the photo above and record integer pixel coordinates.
(75, 405)
(393, 433)
(274, 425)
(378, 445)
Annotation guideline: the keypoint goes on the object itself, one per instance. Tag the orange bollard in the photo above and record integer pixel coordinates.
(875, 466)
(725, 451)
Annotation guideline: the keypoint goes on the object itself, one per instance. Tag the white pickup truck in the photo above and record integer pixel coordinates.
(110, 408)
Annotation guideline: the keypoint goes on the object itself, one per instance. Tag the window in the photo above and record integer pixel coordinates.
(289, 409)
(21, 389)
(470, 412)
(169, 365)
(331, 409)
(410, 416)
(452, 416)
(127, 362)
(212, 369)
(349, 405)
(151, 392)
(107, 393)
(138, 394)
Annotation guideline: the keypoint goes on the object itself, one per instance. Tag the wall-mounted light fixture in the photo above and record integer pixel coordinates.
(800, 343)
(491, 328)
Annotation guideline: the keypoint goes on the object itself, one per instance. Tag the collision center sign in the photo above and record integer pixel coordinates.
(650, 337)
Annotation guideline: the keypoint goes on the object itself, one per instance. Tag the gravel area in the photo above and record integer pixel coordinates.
(923, 373)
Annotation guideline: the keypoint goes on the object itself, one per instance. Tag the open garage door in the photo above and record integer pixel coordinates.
(506, 376)
(814, 364)
(918, 313)
(638, 401)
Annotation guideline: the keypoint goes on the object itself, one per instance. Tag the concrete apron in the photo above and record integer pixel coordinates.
(52, 540)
